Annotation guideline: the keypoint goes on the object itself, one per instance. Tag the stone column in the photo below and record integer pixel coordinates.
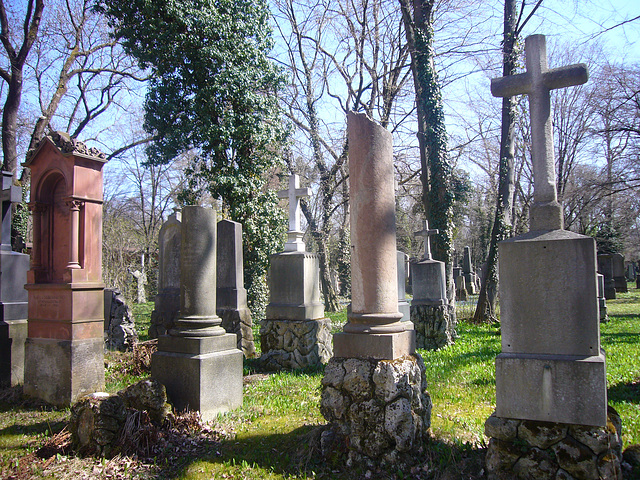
(74, 234)
(198, 356)
(374, 391)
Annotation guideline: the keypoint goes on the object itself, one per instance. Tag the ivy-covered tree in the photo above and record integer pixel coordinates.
(213, 93)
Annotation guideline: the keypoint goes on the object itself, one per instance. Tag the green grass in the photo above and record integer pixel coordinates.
(142, 315)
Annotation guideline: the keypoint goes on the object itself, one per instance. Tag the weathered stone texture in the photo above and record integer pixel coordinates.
(295, 344)
(119, 325)
(434, 325)
(239, 321)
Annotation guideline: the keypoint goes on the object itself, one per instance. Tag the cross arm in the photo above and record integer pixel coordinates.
(577, 74)
(511, 85)
(303, 192)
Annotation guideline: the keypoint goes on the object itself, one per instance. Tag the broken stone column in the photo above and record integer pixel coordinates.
(231, 295)
(198, 362)
(374, 389)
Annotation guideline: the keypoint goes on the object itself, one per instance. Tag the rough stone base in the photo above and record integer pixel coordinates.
(165, 313)
(527, 449)
(295, 344)
(380, 408)
(119, 326)
(435, 325)
(239, 321)
(62, 371)
(13, 334)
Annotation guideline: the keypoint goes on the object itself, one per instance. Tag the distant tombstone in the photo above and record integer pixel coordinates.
(457, 271)
(461, 289)
(295, 333)
(605, 267)
(232, 296)
(467, 271)
(631, 271)
(141, 283)
(13, 296)
(198, 362)
(619, 279)
(551, 374)
(64, 351)
(602, 302)
(432, 315)
(119, 324)
(403, 306)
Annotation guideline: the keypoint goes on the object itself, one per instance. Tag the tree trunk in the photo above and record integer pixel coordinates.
(502, 224)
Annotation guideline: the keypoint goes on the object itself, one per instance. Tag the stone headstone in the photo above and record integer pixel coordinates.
(13, 296)
(198, 362)
(470, 276)
(605, 267)
(64, 352)
(403, 306)
(619, 278)
(631, 272)
(231, 295)
(167, 301)
(461, 289)
(295, 333)
(431, 314)
(602, 302)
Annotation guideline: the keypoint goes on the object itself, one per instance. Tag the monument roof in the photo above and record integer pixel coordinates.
(65, 145)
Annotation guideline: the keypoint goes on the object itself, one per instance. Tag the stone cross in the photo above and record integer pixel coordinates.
(426, 233)
(537, 82)
(10, 194)
(294, 193)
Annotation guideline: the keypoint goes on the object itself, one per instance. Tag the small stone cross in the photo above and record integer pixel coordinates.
(294, 193)
(537, 82)
(10, 194)
(426, 233)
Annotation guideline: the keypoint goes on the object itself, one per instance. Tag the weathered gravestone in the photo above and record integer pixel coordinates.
(232, 296)
(374, 389)
(605, 267)
(619, 278)
(602, 302)
(432, 315)
(119, 325)
(198, 362)
(64, 351)
(167, 301)
(295, 333)
(13, 296)
(470, 278)
(631, 271)
(403, 306)
(551, 396)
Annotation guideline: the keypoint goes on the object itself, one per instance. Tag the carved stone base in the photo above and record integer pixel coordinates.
(380, 408)
(295, 344)
(524, 449)
(435, 325)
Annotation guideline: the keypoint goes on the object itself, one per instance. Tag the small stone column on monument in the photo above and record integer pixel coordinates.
(375, 354)
(295, 333)
(231, 295)
(551, 369)
(198, 356)
(13, 296)
(431, 314)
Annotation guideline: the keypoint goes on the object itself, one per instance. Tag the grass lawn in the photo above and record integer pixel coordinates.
(279, 412)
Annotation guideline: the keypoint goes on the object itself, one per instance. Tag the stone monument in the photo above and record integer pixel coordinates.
(198, 362)
(232, 296)
(602, 302)
(470, 278)
(432, 315)
(619, 278)
(295, 333)
(374, 389)
(167, 301)
(64, 351)
(403, 306)
(605, 267)
(13, 296)
(551, 418)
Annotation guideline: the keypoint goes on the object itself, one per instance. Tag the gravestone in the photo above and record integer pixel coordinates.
(550, 375)
(167, 301)
(13, 296)
(64, 351)
(295, 333)
(605, 267)
(198, 361)
(403, 306)
(431, 314)
(602, 302)
(374, 390)
(461, 289)
(619, 278)
(232, 296)
(631, 271)
(470, 278)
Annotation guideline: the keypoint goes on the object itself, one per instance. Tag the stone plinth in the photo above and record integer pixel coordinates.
(526, 449)
(295, 344)
(64, 352)
(198, 356)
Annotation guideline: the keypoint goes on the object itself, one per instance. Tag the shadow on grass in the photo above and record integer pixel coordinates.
(625, 392)
(616, 338)
(34, 429)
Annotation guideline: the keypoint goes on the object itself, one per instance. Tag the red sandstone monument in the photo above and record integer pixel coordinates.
(64, 352)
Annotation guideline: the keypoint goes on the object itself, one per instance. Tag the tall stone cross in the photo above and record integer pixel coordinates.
(10, 194)
(294, 193)
(426, 233)
(537, 82)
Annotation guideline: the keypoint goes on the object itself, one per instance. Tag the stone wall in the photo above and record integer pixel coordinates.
(526, 449)
(381, 408)
(295, 344)
(434, 325)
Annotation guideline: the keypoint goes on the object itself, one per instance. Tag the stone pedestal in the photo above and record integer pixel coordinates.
(295, 344)
(64, 352)
(198, 362)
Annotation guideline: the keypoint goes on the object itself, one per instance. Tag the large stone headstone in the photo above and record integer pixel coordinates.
(605, 267)
(13, 296)
(374, 391)
(432, 315)
(295, 333)
(198, 362)
(551, 368)
(232, 296)
(619, 279)
(64, 351)
(167, 301)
